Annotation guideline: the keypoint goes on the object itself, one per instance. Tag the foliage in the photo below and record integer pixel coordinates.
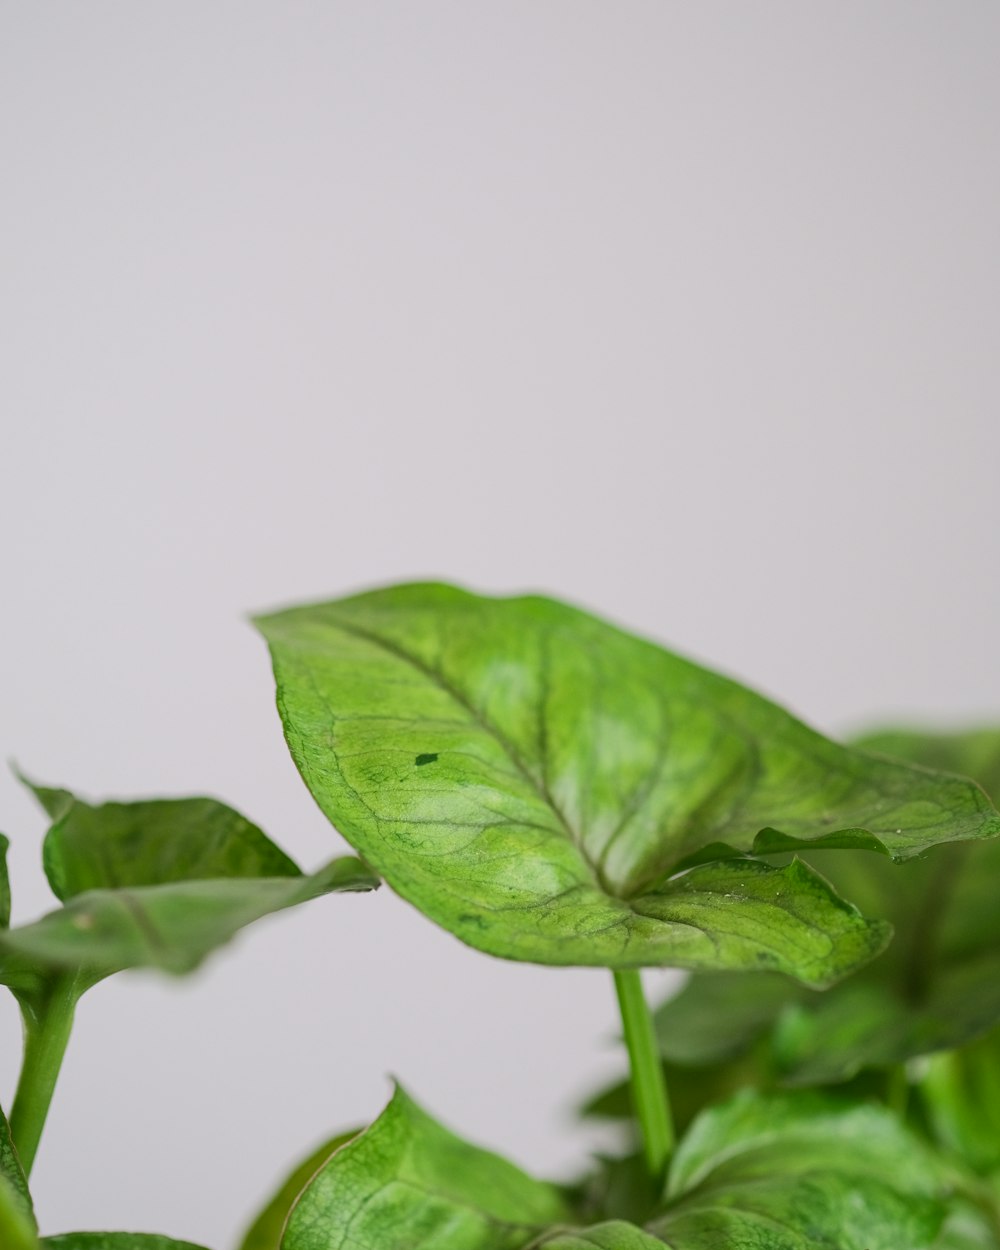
(549, 788)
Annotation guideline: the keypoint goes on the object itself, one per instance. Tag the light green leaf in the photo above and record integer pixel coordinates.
(15, 1200)
(4, 884)
(408, 1182)
(265, 1232)
(533, 778)
(116, 1241)
(17, 1230)
(793, 1173)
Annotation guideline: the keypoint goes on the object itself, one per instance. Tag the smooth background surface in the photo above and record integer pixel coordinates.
(687, 312)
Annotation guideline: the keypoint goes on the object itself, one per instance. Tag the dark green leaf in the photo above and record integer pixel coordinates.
(4, 884)
(114, 846)
(408, 1182)
(265, 1232)
(793, 1173)
(116, 1241)
(532, 778)
(719, 1016)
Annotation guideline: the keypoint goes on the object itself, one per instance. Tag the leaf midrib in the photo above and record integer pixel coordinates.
(440, 679)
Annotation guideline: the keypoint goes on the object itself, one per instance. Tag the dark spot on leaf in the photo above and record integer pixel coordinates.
(425, 759)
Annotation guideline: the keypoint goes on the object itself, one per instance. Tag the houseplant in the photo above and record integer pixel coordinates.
(551, 789)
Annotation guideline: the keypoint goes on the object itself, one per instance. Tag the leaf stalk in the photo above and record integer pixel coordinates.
(649, 1087)
(48, 1022)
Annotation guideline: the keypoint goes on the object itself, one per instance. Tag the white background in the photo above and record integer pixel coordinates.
(685, 311)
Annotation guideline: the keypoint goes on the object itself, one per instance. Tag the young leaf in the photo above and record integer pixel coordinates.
(533, 778)
(793, 1173)
(406, 1181)
(265, 1232)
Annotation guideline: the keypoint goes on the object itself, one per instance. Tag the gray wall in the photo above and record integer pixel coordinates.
(686, 311)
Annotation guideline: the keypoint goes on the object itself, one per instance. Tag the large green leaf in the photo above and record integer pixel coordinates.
(408, 1182)
(155, 883)
(533, 779)
(799, 1172)
(266, 1230)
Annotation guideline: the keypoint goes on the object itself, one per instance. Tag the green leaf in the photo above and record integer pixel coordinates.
(171, 927)
(532, 779)
(792, 1173)
(116, 1241)
(265, 1232)
(406, 1181)
(154, 883)
(114, 846)
(4, 884)
(15, 1200)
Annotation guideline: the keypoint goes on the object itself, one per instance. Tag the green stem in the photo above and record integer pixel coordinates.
(649, 1088)
(48, 1022)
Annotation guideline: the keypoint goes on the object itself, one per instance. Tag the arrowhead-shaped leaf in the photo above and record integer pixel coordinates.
(155, 883)
(406, 1181)
(533, 779)
(801, 1173)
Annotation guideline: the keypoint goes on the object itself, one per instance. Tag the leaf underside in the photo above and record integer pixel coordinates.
(533, 779)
